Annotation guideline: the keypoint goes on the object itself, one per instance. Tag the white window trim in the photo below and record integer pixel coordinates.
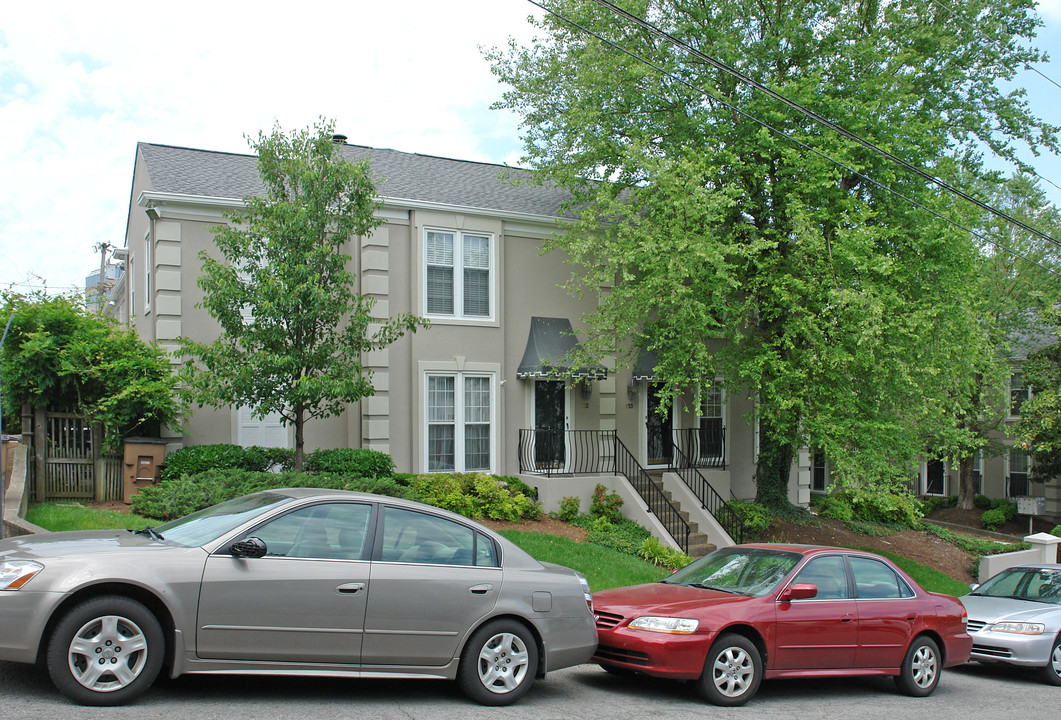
(1008, 467)
(458, 315)
(463, 369)
(1009, 392)
(924, 479)
(724, 417)
(148, 261)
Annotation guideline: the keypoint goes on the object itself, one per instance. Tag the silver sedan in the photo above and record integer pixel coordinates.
(1015, 618)
(292, 582)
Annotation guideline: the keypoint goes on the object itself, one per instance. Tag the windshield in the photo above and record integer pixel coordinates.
(746, 571)
(211, 523)
(1024, 583)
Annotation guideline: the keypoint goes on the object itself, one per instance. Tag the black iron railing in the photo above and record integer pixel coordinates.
(709, 498)
(701, 447)
(566, 452)
(658, 504)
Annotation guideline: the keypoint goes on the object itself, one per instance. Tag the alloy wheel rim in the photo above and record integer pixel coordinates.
(107, 653)
(732, 671)
(1055, 659)
(503, 663)
(924, 667)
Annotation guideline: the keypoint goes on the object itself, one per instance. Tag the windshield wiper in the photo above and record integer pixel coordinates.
(150, 532)
(704, 586)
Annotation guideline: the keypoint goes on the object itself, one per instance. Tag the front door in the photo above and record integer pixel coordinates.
(658, 429)
(934, 478)
(822, 632)
(550, 425)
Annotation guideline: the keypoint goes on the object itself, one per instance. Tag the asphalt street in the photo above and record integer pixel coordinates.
(585, 692)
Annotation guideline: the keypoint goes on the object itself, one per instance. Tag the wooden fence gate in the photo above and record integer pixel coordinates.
(69, 460)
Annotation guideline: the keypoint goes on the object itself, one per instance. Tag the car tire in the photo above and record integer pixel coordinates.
(1052, 672)
(105, 651)
(919, 674)
(732, 672)
(499, 663)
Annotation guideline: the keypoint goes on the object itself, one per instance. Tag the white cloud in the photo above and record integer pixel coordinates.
(80, 87)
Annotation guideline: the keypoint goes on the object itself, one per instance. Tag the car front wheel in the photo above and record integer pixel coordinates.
(732, 672)
(1052, 672)
(920, 670)
(499, 663)
(105, 651)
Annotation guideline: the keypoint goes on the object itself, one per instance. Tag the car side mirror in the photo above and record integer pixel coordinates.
(251, 547)
(798, 591)
(973, 586)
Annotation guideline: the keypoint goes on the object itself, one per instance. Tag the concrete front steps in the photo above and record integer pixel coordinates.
(699, 543)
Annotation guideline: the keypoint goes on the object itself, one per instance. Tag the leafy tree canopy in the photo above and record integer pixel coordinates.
(729, 249)
(1039, 428)
(60, 357)
(293, 325)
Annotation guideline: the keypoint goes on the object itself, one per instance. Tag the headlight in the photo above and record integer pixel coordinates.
(673, 625)
(1019, 628)
(16, 573)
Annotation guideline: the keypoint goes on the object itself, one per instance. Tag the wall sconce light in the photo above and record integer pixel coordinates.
(631, 392)
(585, 388)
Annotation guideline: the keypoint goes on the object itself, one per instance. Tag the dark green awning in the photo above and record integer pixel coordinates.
(645, 369)
(551, 345)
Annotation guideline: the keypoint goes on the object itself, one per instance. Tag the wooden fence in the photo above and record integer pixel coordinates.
(68, 459)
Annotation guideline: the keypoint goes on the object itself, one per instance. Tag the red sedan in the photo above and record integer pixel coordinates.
(750, 612)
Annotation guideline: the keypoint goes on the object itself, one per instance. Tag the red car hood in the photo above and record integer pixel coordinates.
(661, 599)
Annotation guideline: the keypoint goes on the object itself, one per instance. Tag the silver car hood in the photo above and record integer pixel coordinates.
(66, 544)
(996, 609)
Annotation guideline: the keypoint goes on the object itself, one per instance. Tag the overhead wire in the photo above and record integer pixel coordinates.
(803, 145)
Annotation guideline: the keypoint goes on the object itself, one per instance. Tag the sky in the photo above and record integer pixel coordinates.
(82, 83)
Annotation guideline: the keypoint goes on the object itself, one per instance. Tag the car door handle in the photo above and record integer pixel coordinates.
(480, 589)
(847, 618)
(350, 588)
(911, 617)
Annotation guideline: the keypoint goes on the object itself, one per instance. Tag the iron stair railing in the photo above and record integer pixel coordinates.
(656, 501)
(709, 498)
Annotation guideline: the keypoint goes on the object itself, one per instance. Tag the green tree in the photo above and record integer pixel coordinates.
(1039, 428)
(731, 250)
(1007, 289)
(59, 356)
(293, 326)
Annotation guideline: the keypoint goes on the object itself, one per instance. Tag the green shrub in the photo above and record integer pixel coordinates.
(199, 458)
(994, 518)
(1056, 532)
(474, 495)
(1007, 507)
(835, 507)
(350, 461)
(606, 504)
(173, 498)
(659, 554)
(625, 535)
(570, 507)
(882, 505)
(755, 517)
(982, 502)
(514, 483)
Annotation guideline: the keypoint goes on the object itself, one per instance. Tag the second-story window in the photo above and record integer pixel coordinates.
(458, 274)
(1019, 391)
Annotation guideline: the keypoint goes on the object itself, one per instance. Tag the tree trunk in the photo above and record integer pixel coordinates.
(773, 469)
(300, 423)
(966, 491)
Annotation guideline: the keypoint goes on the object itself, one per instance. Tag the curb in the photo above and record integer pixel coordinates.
(1001, 537)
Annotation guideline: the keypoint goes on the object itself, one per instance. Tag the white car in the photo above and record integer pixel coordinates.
(1015, 618)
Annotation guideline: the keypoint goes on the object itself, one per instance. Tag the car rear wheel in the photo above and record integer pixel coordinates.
(105, 651)
(1052, 672)
(919, 673)
(732, 672)
(499, 663)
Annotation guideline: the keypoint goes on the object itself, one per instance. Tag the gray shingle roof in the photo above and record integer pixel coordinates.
(399, 176)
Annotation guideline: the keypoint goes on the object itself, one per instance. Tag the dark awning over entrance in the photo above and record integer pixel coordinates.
(550, 345)
(646, 366)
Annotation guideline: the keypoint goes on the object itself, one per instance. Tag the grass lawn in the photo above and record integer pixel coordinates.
(70, 515)
(603, 567)
(928, 578)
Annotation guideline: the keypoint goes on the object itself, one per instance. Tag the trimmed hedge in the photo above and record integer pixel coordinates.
(350, 461)
(343, 461)
(475, 495)
(173, 498)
